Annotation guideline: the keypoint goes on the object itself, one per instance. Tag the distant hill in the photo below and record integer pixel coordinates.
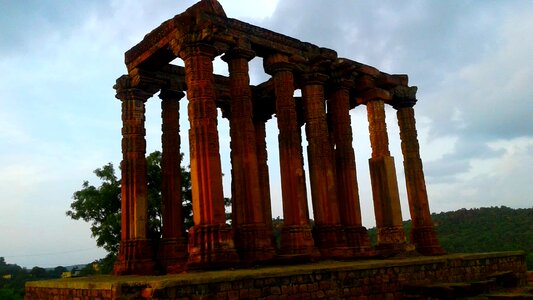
(69, 268)
(485, 229)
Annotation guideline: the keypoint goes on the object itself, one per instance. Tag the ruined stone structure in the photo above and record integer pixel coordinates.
(331, 86)
(454, 276)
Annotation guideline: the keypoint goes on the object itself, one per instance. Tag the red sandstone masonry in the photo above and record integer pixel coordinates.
(197, 36)
(370, 279)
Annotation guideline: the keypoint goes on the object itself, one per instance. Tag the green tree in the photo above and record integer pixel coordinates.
(57, 272)
(100, 206)
(485, 229)
(9, 294)
(38, 272)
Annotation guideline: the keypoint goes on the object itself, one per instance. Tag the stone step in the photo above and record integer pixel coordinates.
(508, 296)
(449, 290)
(482, 289)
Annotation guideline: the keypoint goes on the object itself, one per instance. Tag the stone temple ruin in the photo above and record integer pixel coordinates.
(331, 86)
(345, 265)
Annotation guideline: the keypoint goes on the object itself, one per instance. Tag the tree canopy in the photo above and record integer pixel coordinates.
(14, 277)
(485, 229)
(100, 205)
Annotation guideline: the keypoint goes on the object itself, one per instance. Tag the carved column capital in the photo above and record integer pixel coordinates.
(132, 94)
(168, 94)
(238, 52)
(276, 63)
(313, 78)
(125, 90)
(341, 83)
(260, 113)
(404, 96)
(376, 94)
(185, 50)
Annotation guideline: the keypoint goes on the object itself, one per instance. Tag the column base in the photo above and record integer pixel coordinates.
(331, 241)
(135, 258)
(254, 243)
(211, 247)
(425, 241)
(297, 240)
(392, 241)
(358, 241)
(172, 254)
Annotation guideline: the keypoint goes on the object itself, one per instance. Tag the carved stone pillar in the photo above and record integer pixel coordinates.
(329, 235)
(210, 239)
(252, 237)
(422, 230)
(262, 169)
(172, 252)
(391, 236)
(296, 236)
(347, 188)
(135, 252)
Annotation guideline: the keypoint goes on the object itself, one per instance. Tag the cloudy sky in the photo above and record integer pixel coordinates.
(59, 119)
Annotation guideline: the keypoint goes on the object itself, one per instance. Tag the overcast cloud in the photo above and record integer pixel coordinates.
(59, 119)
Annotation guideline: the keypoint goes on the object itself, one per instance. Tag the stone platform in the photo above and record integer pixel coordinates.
(363, 279)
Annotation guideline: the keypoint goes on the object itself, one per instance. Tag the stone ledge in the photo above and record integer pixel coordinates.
(386, 276)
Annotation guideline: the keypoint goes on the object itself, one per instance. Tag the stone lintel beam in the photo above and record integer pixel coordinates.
(314, 78)
(358, 67)
(264, 42)
(387, 81)
(376, 94)
(196, 23)
(172, 77)
(206, 21)
(317, 60)
(402, 78)
(363, 82)
(146, 80)
(340, 83)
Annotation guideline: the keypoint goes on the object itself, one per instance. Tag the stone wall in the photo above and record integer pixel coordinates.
(369, 279)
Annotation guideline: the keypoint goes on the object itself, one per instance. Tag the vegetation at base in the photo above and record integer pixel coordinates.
(13, 278)
(100, 206)
(485, 229)
(462, 231)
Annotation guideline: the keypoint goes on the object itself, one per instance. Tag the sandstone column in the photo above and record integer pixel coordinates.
(262, 169)
(210, 239)
(347, 188)
(329, 235)
(391, 236)
(296, 236)
(422, 230)
(135, 253)
(252, 237)
(172, 250)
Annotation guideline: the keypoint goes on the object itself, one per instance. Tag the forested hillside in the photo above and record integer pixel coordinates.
(484, 229)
